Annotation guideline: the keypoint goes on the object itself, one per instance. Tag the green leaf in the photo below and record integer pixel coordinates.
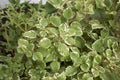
(21, 49)
(104, 33)
(70, 71)
(95, 72)
(69, 41)
(53, 31)
(78, 5)
(28, 54)
(55, 20)
(47, 78)
(22, 42)
(55, 66)
(85, 67)
(49, 57)
(75, 29)
(30, 34)
(115, 45)
(98, 46)
(30, 47)
(96, 25)
(79, 42)
(109, 53)
(56, 3)
(37, 56)
(79, 75)
(44, 51)
(98, 59)
(63, 49)
(43, 33)
(87, 76)
(74, 56)
(68, 13)
(61, 76)
(45, 43)
(109, 43)
(93, 36)
(43, 22)
(100, 4)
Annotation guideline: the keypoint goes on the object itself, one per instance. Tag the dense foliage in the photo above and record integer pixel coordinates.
(62, 40)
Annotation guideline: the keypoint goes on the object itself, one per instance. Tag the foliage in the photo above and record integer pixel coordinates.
(62, 40)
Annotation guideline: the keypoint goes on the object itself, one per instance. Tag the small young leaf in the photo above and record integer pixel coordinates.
(22, 42)
(109, 43)
(37, 56)
(45, 43)
(98, 46)
(96, 25)
(55, 66)
(70, 71)
(63, 49)
(98, 59)
(55, 20)
(85, 67)
(49, 58)
(95, 72)
(109, 52)
(87, 76)
(43, 22)
(68, 13)
(75, 29)
(74, 57)
(30, 34)
(61, 76)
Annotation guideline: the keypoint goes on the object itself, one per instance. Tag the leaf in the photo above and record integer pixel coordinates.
(21, 49)
(79, 42)
(74, 57)
(30, 47)
(43, 22)
(49, 58)
(37, 56)
(22, 45)
(96, 25)
(78, 5)
(68, 13)
(47, 78)
(54, 31)
(61, 76)
(30, 34)
(115, 45)
(75, 29)
(55, 20)
(95, 72)
(87, 76)
(55, 66)
(74, 54)
(43, 33)
(69, 41)
(56, 3)
(85, 67)
(100, 4)
(45, 43)
(98, 59)
(22, 42)
(104, 33)
(109, 53)
(98, 46)
(63, 49)
(70, 71)
(109, 43)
